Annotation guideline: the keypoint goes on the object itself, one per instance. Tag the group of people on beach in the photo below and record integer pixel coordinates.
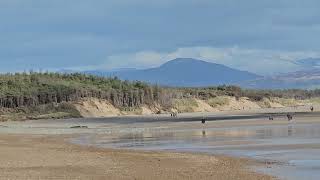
(174, 114)
(271, 118)
(290, 116)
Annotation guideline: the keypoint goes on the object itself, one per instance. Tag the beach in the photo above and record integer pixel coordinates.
(156, 148)
(51, 157)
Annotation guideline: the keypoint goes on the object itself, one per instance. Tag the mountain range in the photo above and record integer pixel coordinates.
(188, 72)
(305, 79)
(184, 72)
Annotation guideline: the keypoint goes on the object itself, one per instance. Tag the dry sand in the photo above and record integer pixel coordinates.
(47, 157)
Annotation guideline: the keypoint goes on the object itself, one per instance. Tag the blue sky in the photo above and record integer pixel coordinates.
(262, 36)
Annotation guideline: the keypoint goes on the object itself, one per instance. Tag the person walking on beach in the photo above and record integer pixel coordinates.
(203, 120)
(311, 109)
(174, 114)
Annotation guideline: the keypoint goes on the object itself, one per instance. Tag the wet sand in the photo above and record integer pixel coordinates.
(51, 157)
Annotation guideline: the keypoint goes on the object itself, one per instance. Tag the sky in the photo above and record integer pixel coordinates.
(263, 36)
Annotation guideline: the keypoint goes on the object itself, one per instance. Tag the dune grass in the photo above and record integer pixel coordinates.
(218, 101)
(185, 105)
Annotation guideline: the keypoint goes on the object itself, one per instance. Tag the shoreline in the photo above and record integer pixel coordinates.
(41, 157)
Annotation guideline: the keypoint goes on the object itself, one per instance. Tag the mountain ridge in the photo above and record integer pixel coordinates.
(303, 79)
(185, 72)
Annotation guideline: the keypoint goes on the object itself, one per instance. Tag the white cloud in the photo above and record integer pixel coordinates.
(259, 61)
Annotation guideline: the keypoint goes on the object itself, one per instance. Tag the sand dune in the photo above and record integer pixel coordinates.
(101, 108)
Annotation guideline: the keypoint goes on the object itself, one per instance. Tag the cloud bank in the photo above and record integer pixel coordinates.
(57, 34)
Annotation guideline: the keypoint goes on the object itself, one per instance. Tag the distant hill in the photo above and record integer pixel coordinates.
(308, 62)
(185, 72)
(306, 79)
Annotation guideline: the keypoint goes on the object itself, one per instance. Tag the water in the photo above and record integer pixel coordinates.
(290, 151)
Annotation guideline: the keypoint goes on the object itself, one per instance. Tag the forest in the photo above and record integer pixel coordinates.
(32, 89)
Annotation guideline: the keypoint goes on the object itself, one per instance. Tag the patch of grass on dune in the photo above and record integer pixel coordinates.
(285, 102)
(264, 103)
(48, 111)
(218, 101)
(185, 105)
(314, 100)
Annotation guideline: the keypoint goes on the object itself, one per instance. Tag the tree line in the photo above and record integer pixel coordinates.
(33, 89)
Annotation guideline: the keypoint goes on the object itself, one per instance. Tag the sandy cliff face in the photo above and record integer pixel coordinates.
(204, 107)
(93, 107)
(242, 103)
(96, 108)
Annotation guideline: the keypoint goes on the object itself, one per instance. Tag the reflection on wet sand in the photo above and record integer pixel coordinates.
(294, 143)
(290, 129)
(203, 133)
